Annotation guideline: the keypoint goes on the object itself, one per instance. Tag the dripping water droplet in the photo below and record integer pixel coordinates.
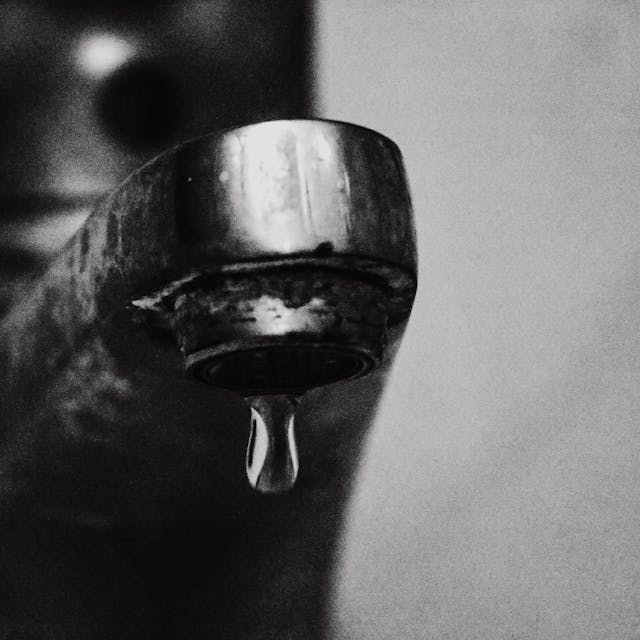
(272, 455)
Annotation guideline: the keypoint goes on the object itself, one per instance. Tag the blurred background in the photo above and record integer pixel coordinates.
(499, 496)
(91, 92)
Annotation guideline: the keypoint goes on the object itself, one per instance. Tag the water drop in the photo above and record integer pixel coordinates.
(272, 455)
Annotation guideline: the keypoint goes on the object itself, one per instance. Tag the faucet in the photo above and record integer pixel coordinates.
(240, 282)
(273, 259)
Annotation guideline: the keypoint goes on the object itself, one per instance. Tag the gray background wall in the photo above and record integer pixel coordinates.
(500, 494)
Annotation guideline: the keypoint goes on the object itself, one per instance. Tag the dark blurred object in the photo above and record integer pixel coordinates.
(92, 91)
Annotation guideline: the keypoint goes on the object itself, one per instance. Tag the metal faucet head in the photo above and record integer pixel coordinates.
(310, 227)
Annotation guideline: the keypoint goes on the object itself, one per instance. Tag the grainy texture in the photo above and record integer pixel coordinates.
(501, 495)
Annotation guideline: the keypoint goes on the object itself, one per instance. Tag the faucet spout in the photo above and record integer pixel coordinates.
(278, 258)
